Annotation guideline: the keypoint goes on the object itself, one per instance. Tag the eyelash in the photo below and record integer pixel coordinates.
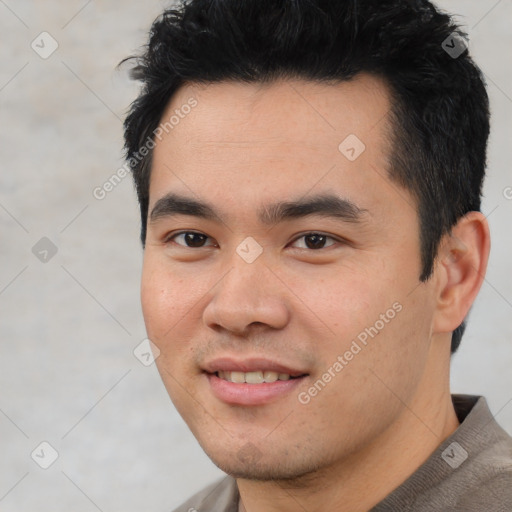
(172, 236)
(169, 238)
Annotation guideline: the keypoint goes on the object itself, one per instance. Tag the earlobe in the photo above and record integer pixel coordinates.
(461, 266)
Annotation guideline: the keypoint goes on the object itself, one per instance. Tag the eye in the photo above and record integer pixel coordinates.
(191, 239)
(314, 241)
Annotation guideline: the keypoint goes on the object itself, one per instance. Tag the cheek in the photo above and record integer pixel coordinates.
(344, 299)
(375, 306)
(168, 309)
(165, 298)
(155, 300)
(173, 298)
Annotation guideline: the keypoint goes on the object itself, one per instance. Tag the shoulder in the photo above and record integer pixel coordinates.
(489, 478)
(483, 481)
(471, 471)
(482, 478)
(221, 496)
(494, 494)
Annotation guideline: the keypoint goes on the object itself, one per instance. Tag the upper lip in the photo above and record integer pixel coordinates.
(229, 364)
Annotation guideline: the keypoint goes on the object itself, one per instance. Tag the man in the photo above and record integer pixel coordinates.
(309, 174)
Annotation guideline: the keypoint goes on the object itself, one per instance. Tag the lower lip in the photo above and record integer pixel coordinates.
(251, 394)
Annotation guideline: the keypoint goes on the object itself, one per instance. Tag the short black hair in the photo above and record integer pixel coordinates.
(440, 108)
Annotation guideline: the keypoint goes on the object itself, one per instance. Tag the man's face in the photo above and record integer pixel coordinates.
(325, 298)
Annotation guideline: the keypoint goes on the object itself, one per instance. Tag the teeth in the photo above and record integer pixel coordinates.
(270, 376)
(237, 377)
(253, 377)
(223, 376)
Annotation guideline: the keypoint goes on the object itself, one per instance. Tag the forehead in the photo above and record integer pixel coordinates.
(293, 111)
(262, 142)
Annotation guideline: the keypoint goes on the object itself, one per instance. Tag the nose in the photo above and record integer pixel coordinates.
(248, 297)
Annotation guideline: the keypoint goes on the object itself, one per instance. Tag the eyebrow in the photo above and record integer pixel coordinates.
(325, 205)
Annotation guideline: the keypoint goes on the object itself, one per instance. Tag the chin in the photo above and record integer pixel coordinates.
(263, 472)
(251, 463)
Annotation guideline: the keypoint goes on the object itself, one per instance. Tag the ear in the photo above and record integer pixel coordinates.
(460, 268)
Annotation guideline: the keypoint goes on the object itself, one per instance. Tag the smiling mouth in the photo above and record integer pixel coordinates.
(257, 387)
(257, 377)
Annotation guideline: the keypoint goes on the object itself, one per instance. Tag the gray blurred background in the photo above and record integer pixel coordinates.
(70, 265)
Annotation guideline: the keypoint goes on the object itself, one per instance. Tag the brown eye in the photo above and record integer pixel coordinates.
(189, 239)
(314, 241)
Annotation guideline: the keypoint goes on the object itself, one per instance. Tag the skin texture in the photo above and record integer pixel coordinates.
(248, 145)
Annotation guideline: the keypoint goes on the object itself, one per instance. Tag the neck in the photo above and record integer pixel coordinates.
(362, 480)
